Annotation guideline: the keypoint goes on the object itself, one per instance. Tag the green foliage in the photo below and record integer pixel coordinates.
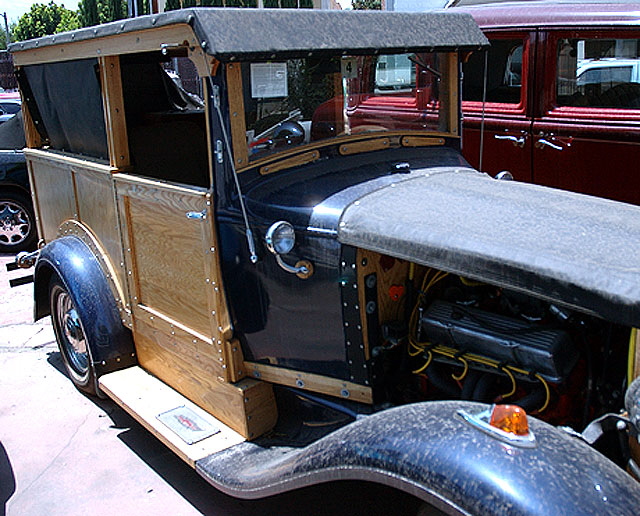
(366, 4)
(172, 5)
(43, 20)
(113, 10)
(88, 12)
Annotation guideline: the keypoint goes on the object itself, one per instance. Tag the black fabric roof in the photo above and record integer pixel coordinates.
(258, 33)
(580, 251)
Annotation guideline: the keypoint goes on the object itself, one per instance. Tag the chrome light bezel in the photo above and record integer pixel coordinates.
(280, 237)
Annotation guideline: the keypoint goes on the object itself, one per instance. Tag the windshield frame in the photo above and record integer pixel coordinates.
(449, 123)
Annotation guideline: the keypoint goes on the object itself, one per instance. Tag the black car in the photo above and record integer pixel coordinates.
(17, 219)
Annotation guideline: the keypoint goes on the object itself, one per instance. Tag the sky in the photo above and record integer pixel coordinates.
(16, 8)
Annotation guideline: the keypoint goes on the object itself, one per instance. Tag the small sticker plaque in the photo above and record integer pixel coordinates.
(188, 425)
(268, 80)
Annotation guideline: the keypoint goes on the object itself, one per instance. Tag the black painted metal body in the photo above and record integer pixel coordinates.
(75, 264)
(279, 318)
(428, 450)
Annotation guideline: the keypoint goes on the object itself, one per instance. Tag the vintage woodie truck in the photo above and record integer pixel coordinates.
(287, 287)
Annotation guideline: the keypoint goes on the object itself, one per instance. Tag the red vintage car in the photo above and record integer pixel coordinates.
(562, 95)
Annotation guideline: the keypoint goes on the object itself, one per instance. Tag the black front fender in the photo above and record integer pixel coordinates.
(428, 450)
(73, 262)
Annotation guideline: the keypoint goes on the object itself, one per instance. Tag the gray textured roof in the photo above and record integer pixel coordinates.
(259, 33)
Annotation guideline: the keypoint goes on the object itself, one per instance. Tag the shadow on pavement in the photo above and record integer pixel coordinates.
(352, 498)
(7, 480)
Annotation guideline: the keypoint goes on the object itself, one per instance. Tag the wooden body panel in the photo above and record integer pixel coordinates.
(391, 275)
(168, 259)
(247, 406)
(68, 189)
(181, 324)
(96, 210)
(146, 397)
(53, 189)
(311, 382)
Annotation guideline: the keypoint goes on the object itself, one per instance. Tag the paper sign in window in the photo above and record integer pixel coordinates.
(268, 80)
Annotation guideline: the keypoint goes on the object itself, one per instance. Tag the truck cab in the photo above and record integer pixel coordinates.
(287, 285)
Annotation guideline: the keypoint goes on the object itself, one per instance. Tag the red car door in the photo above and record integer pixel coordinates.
(586, 134)
(507, 117)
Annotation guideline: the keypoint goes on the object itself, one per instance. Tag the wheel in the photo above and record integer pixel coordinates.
(17, 223)
(71, 337)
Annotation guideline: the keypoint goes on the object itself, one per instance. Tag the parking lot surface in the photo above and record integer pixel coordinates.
(64, 453)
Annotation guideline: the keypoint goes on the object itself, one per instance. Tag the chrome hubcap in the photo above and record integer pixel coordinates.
(74, 340)
(14, 223)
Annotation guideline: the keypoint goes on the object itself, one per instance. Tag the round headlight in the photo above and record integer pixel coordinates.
(280, 237)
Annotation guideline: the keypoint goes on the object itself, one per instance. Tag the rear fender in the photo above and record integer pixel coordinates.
(72, 261)
(428, 450)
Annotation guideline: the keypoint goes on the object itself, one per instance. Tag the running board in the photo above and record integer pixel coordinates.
(185, 428)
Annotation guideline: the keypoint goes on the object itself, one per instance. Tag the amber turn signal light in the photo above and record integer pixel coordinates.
(510, 418)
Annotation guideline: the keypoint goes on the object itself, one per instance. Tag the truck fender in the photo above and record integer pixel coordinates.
(428, 450)
(73, 262)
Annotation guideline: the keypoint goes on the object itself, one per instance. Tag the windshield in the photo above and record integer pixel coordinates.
(299, 101)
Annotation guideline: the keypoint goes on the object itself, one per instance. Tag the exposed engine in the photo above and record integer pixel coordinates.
(472, 341)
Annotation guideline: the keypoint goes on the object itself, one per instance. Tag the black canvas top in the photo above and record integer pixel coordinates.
(579, 251)
(230, 34)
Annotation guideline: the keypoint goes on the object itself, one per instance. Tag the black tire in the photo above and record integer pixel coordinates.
(71, 337)
(17, 222)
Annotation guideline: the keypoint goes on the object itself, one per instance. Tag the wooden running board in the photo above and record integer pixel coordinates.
(145, 398)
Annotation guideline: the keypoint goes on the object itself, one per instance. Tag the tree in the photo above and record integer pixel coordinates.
(115, 11)
(88, 12)
(43, 20)
(366, 4)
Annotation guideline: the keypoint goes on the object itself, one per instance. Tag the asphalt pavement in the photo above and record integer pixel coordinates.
(66, 453)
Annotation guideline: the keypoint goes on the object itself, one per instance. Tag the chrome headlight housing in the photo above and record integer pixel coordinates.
(280, 237)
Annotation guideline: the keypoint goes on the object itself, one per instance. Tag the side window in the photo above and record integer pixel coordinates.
(67, 105)
(504, 73)
(598, 73)
(165, 118)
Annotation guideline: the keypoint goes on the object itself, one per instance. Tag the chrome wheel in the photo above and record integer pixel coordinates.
(73, 338)
(15, 223)
(75, 348)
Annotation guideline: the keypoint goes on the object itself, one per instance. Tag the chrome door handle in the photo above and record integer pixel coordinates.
(518, 141)
(543, 142)
(197, 215)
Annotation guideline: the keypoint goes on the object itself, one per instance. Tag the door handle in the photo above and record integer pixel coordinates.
(543, 142)
(550, 140)
(197, 215)
(518, 141)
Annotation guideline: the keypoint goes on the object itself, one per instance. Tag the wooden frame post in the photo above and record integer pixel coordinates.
(114, 116)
